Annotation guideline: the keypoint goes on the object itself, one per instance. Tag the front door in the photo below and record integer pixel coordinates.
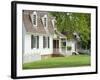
(55, 46)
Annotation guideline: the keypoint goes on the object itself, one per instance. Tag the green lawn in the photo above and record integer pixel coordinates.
(54, 62)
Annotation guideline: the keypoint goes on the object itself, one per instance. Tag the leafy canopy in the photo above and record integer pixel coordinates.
(74, 22)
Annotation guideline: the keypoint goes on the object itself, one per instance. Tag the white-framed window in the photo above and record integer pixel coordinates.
(45, 21)
(34, 41)
(53, 22)
(34, 18)
(46, 42)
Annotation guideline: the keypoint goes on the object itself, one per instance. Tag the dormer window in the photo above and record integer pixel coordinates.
(34, 20)
(53, 23)
(45, 21)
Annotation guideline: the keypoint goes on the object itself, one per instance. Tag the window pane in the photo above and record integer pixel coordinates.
(34, 41)
(46, 42)
(34, 19)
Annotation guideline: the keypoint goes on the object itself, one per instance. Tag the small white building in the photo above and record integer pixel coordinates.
(40, 37)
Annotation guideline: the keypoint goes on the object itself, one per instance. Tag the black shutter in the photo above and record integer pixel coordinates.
(34, 41)
(37, 41)
(43, 42)
(31, 41)
(48, 42)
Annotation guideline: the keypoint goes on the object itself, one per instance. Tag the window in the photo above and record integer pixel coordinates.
(53, 23)
(46, 42)
(63, 43)
(34, 19)
(34, 41)
(45, 20)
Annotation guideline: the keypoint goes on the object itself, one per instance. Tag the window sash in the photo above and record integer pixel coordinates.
(34, 19)
(46, 42)
(34, 41)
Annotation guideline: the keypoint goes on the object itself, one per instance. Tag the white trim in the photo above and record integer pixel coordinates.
(32, 16)
(45, 27)
(53, 23)
(46, 39)
(39, 34)
(45, 16)
(34, 37)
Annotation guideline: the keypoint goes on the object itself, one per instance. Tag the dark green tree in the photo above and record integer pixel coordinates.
(74, 22)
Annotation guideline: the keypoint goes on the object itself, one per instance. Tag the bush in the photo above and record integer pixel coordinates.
(64, 47)
(69, 48)
(83, 53)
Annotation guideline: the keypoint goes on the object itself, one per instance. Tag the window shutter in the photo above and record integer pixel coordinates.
(48, 42)
(34, 42)
(37, 41)
(43, 42)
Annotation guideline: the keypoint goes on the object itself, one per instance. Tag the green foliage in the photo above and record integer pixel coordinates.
(74, 22)
(69, 48)
(63, 45)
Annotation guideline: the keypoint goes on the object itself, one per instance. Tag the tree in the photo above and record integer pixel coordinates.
(74, 22)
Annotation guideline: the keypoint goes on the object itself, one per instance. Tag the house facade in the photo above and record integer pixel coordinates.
(40, 37)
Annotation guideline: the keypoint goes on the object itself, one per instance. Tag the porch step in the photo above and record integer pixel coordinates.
(57, 55)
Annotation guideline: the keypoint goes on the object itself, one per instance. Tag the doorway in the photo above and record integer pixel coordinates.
(55, 46)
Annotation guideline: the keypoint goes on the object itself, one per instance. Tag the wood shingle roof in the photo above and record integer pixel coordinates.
(40, 29)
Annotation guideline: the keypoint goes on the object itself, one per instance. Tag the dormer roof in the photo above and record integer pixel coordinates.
(27, 21)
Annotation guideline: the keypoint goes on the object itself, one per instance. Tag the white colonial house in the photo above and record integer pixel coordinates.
(41, 38)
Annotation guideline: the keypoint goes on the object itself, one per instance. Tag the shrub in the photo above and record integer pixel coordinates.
(69, 48)
(83, 53)
(64, 47)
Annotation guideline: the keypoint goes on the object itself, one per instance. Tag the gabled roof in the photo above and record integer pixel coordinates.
(40, 27)
(60, 34)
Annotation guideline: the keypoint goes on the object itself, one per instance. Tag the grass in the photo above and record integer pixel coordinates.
(55, 62)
